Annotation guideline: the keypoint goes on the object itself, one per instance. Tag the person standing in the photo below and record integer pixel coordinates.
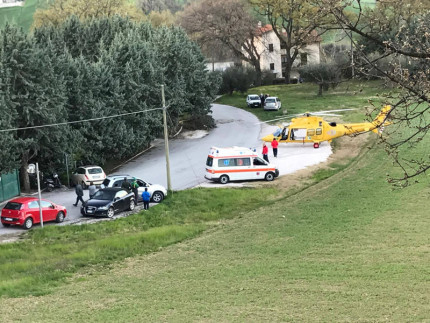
(135, 187)
(79, 193)
(262, 99)
(274, 144)
(146, 196)
(265, 153)
(92, 190)
(126, 185)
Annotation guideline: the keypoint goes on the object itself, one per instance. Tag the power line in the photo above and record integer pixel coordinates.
(79, 121)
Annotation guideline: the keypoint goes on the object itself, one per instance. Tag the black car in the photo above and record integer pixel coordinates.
(108, 201)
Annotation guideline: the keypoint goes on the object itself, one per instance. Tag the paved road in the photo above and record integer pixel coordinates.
(235, 127)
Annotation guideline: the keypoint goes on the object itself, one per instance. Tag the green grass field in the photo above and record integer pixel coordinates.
(343, 246)
(300, 98)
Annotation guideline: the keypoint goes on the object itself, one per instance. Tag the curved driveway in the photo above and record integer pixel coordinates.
(235, 127)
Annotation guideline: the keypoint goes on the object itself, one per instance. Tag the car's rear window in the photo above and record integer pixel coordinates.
(95, 171)
(106, 182)
(104, 195)
(209, 161)
(13, 206)
(270, 100)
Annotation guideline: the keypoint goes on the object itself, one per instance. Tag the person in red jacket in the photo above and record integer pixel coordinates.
(265, 153)
(274, 144)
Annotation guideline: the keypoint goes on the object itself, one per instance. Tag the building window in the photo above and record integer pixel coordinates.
(303, 58)
(270, 47)
(272, 66)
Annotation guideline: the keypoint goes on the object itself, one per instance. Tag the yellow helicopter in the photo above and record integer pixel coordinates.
(310, 127)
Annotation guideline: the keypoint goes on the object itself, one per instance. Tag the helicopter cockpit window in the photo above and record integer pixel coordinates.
(284, 134)
(320, 123)
(319, 131)
(277, 133)
(311, 132)
(259, 161)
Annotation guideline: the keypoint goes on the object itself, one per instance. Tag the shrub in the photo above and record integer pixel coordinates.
(324, 75)
(237, 78)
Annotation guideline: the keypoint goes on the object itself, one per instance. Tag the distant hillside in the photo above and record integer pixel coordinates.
(21, 16)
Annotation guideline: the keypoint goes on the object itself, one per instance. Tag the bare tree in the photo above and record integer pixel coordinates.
(228, 22)
(398, 32)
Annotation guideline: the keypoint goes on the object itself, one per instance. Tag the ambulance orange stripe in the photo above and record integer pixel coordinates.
(240, 170)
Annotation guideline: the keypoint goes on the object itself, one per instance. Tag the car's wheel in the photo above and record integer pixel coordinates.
(110, 212)
(6, 225)
(60, 217)
(223, 179)
(28, 223)
(132, 205)
(84, 186)
(269, 176)
(157, 197)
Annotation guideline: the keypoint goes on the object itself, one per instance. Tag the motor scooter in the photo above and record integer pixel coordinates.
(52, 183)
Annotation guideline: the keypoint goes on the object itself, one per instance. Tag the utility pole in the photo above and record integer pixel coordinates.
(40, 195)
(166, 141)
(67, 168)
(352, 57)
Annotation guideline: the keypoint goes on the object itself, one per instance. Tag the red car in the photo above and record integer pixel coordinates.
(24, 211)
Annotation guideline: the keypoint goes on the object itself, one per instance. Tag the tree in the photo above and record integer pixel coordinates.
(294, 22)
(35, 95)
(161, 18)
(324, 75)
(149, 6)
(59, 10)
(89, 69)
(398, 33)
(227, 22)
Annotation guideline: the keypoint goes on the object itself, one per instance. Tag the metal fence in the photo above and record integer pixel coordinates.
(9, 185)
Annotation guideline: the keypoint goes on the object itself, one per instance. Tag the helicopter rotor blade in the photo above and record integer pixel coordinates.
(284, 117)
(329, 111)
(328, 114)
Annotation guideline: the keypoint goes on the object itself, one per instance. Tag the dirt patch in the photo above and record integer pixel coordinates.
(346, 148)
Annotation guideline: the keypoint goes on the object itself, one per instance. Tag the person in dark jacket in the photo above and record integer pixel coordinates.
(126, 185)
(146, 196)
(79, 193)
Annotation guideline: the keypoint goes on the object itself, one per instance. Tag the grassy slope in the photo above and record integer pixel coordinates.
(349, 248)
(21, 16)
(299, 98)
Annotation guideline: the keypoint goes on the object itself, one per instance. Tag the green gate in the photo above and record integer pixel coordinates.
(9, 185)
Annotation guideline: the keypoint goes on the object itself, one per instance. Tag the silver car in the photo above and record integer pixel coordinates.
(272, 103)
(158, 192)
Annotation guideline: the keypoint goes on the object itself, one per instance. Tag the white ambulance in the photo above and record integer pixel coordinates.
(237, 164)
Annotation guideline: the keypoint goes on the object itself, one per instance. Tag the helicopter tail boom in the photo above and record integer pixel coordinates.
(381, 118)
